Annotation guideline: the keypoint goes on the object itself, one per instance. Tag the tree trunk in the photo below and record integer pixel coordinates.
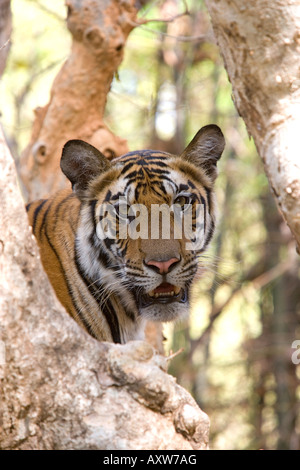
(78, 96)
(5, 31)
(60, 388)
(260, 44)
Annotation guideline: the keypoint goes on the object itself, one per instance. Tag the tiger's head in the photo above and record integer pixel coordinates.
(145, 218)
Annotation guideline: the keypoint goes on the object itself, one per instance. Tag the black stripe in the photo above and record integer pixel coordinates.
(129, 182)
(183, 187)
(44, 219)
(86, 325)
(93, 215)
(133, 177)
(129, 313)
(57, 208)
(144, 163)
(36, 212)
(112, 320)
(108, 196)
(191, 184)
(106, 307)
(189, 266)
(203, 202)
(166, 178)
(140, 185)
(159, 163)
(162, 188)
(105, 260)
(208, 197)
(146, 153)
(124, 249)
(135, 174)
(117, 196)
(44, 225)
(108, 242)
(126, 168)
(157, 171)
(210, 234)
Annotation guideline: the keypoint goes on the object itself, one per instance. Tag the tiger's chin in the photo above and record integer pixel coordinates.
(164, 306)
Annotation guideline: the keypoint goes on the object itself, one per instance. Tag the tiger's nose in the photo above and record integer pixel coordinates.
(163, 267)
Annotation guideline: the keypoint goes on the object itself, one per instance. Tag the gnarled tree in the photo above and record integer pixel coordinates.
(99, 31)
(260, 44)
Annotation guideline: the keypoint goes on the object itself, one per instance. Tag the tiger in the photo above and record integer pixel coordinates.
(112, 285)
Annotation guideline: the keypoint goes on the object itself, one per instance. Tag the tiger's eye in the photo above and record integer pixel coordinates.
(183, 201)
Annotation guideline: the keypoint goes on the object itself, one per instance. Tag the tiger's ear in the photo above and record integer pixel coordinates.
(205, 149)
(81, 162)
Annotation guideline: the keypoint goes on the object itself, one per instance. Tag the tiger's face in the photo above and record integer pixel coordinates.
(145, 218)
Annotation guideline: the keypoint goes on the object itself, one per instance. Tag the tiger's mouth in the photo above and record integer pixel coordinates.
(165, 293)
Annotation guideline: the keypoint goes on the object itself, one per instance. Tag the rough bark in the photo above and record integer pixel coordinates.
(5, 32)
(260, 44)
(60, 388)
(99, 31)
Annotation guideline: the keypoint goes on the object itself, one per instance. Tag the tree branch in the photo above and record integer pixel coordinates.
(261, 47)
(76, 107)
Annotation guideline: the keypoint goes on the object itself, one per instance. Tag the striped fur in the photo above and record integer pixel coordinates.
(107, 285)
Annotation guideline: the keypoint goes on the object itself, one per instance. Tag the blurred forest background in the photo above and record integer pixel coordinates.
(237, 345)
